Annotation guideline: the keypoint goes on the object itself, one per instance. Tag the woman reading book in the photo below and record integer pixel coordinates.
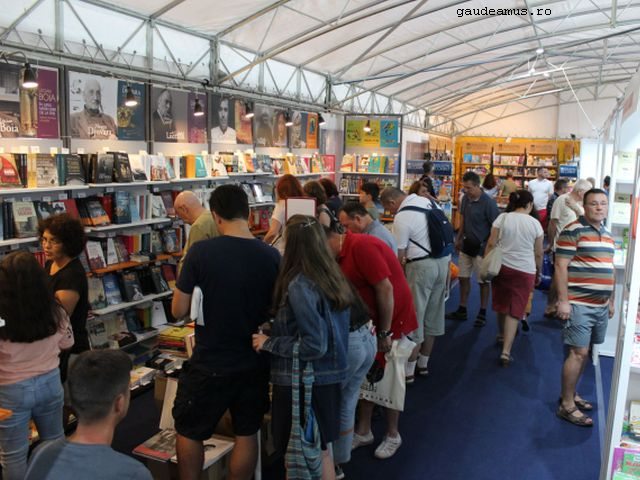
(36, 330)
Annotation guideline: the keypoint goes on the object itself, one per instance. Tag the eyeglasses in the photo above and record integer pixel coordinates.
(50, 241)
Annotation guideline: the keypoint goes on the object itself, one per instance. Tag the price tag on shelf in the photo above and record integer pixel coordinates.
(1, 149)
(62, 196)
(64, 151)
(23, 149)
(26, 199)
(79, 151)
(105, 149)
(204, 152)
(53, 150)
(82, 195)
(155, 189)
(13, 246)
(46, 199)
(109, 189)
(142, 152)
(35, 148)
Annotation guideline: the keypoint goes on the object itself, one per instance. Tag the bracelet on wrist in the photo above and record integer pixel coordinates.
(382, 334)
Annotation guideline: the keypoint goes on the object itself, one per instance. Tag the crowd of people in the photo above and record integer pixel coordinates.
(338, 292)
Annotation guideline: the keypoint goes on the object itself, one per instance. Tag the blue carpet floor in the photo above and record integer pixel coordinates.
(472, 418)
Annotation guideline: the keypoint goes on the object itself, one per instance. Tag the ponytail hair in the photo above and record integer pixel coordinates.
(519, 199)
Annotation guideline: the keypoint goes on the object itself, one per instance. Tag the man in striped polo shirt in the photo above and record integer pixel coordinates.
(585, 279)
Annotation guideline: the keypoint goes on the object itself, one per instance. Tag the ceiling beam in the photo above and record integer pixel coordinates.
(18, 20)
(251, 18)
(161, 11)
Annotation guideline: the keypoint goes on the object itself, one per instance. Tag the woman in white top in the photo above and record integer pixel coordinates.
(520, 237)
(287, 186)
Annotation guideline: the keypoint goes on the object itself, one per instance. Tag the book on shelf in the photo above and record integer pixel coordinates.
(145, 333)
(169, 274)
(621, 209)
(167, 200)
(163, 362)
(138, 165)
(141, 376)
(96, 214)
(348, 163)
(132, 289)
(25, 219)
(109, 248)
(158, 168)
(43, 209)
(158, 314)
(102, 168)
(97, 330)
(159, 283)
(97, 297)
(9, 176)
(46, 171)
(156, 242)
(72, 170)
(158, 209)
(170, 240)
(218, 168)
(122, 207)
(111, 289)
(121, 168)
(121, 339)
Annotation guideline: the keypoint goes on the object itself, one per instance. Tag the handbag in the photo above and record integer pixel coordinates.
(547, 273)
(303, 459)
(492, 261)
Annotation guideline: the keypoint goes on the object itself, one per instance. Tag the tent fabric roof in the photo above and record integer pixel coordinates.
(449, 57)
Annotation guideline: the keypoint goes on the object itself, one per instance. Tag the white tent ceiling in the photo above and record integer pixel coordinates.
(452, 58)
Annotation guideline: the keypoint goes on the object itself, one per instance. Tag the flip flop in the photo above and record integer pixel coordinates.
(566, 414)
(581, 404)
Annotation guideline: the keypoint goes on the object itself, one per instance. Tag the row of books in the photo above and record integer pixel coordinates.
(501, 171)
(369, 163)
(141, 247)
(533, 172)
(177, 341)
(543, 161)
(130, 285)
(510, 160)
(351, 185)
(476, 158)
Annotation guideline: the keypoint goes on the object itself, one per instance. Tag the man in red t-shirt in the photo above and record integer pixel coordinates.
(376, 273)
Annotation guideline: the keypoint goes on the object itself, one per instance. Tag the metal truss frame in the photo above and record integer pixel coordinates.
(364, 95)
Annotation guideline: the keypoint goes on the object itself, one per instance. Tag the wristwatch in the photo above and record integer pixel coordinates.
(382, 334)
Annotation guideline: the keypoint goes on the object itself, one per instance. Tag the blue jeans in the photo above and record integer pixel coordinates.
(362, 349)
(39, 398)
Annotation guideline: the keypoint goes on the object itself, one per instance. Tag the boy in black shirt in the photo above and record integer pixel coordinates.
(236, 274)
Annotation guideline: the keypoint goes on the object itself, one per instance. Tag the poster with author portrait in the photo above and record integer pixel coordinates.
(169, 119)
(93, 102)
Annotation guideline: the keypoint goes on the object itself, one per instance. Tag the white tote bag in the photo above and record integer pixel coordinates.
(492, 262)
(390, 391)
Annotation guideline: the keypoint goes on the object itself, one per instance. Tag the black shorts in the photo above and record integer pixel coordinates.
(325, 400)
(203, 397)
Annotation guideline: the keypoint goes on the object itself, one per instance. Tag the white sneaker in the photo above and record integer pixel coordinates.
(361, 440)
(388, 447)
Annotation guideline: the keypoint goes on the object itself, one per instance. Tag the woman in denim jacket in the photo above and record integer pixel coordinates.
(313, 300)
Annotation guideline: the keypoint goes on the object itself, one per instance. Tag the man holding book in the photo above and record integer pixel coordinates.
(236, 274)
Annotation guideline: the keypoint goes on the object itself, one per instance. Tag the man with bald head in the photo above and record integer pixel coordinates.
(92, 123)
(191, 211)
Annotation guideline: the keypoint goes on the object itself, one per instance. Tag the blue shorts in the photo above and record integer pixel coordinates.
(586, 326)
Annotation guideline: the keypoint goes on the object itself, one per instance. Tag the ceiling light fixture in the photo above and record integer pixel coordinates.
(248, 110)
(130, 99)
(540, 51)
(287, 119)
(29, 80)
(367, 127)
(197, 109)
(321, 120)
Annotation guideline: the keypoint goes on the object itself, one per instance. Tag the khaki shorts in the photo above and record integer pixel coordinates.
(468, 265)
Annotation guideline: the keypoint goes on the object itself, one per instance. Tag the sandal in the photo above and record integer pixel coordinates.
(480, 322)
(582, 404)
(567, 414)
(505, 359)
(525, 325)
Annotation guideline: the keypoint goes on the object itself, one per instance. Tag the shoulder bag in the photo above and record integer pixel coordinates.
(303, 459)
(492, 262)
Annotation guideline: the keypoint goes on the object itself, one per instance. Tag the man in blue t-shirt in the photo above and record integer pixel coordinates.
(98, 384)
(236, 274)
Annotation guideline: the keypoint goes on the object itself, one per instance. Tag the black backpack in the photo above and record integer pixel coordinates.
(441, 234)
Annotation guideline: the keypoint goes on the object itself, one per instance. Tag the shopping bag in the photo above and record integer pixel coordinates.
(491, 264)
(547, 273)
(390, 391)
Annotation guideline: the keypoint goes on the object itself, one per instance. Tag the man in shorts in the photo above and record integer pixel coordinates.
(224, 371)
(585, 280)
(477, 214)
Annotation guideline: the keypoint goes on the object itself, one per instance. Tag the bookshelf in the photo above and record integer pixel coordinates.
(125, 305)
(372, 156)
(509, 158)
(541, 155)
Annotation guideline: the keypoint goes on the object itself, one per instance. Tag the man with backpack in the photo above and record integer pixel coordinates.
(425, 242)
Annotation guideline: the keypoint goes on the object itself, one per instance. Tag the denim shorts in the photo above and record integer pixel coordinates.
(586, 326)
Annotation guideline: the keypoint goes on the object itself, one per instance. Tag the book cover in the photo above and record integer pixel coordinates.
(121, 339)
(9, 176)
(111, 288)
(156, 242)
(248, 190)
(95, 255)
(97, 297)
(112, 253)
(46, 171)
(103, 173)
(190, 168)
(159, 283)
(121, 249)
(25, 219)
(132, 289)
(145, 280)
(68, 205)
(43, 209)
(218, 168)
(171, 173)
(201, 169)
(158, 209)
(97, 330)
(170, 240)
(96, 212)
(167, 200)
(132, 321)
(158, 316)
(121, 168)
(169, 274)
(122, 207)
(74, 171)
(248, 163)
(134, 211)
(162, 446)
(137, 163)
(257, 192)
(631, 464)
